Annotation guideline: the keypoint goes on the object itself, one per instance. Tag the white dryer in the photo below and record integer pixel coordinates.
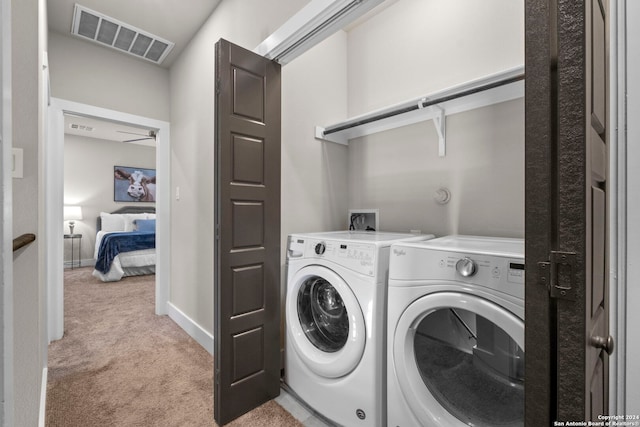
(456, 333)
(336, 323)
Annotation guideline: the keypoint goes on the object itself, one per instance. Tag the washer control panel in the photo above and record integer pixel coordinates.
(321, 248)
(360, 257)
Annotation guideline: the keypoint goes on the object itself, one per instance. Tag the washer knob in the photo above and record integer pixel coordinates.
(321, 248)
(466, 267)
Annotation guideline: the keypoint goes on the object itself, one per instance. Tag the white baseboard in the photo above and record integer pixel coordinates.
(195, 331)
(43, 398)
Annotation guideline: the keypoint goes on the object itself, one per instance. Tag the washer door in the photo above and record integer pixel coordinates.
(459, 360)
(325, 322)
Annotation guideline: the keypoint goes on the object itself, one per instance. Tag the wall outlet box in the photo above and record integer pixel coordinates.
(362, 220)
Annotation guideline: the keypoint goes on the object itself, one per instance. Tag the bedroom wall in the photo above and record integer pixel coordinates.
(88, 182)
(313, 91)
(441, 44)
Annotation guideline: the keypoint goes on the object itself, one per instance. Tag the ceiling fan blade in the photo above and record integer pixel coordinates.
(134, 133)
(138, 139)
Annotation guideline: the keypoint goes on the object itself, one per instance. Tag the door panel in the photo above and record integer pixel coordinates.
(597, 360)
(247, 210)
(597, 397)
(598, 82)
(597, 269)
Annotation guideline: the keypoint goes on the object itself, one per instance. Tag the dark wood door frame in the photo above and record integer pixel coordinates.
(539, 207)
(565, 177)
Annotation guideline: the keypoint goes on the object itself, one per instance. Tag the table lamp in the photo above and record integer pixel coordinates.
(72, 213)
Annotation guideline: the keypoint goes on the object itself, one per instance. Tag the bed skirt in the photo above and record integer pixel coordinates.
(125, 264)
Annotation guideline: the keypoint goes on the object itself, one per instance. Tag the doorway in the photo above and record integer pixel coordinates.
(94, 150)
(54, 161)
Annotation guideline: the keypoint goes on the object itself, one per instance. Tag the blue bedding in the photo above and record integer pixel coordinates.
(114, 243)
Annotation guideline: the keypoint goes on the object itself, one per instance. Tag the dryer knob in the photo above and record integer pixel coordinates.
(320, 248)
(466, 267)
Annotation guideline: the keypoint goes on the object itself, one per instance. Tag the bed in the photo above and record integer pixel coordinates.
(125, 243)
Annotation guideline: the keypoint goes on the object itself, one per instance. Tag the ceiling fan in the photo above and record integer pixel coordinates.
(149, 135)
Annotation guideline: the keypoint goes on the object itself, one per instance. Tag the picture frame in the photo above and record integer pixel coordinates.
(363, 220)
(134, 184)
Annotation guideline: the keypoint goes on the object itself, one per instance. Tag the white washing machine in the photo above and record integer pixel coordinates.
(456, 333)
(336, 323)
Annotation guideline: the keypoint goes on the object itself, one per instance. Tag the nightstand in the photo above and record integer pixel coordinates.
(73, 238)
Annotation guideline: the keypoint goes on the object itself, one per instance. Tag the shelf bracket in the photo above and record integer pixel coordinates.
(440, 122)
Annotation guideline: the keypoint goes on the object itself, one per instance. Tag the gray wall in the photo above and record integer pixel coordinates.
(415, 47)
(88, 181)
(29, 328)
(90, 74)
(411, 49)
(633, 211)
(399, 172)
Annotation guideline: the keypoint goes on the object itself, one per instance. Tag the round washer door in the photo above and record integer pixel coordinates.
(459, 360)
(325, 323)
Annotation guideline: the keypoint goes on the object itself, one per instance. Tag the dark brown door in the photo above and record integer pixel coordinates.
(247, 210)
(567, 341)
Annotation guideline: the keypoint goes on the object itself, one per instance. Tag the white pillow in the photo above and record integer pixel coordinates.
(129, 218)
(151, 216)
(112, 222)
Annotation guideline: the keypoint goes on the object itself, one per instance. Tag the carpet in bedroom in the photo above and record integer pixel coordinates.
(119, 364)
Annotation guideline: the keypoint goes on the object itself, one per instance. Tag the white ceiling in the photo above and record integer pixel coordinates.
(174, 20)
(105, 130)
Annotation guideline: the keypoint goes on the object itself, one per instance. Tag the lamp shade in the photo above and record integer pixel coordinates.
(72, 213)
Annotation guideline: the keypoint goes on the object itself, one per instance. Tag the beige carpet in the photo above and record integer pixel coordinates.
(119, 364)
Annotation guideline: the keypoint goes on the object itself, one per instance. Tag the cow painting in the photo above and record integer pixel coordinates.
(142, 186)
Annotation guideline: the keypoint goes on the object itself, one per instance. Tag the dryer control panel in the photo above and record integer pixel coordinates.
(505, 274)
(356, 256)
(502, 274)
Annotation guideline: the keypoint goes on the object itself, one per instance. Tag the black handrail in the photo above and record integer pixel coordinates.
(22, 241)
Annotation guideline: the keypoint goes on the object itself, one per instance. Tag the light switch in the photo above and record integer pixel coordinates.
(18, 162)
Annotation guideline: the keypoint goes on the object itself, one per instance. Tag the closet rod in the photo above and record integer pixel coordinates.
(424, 104)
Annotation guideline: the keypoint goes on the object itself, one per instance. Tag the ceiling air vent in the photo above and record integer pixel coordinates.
(107, 31)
